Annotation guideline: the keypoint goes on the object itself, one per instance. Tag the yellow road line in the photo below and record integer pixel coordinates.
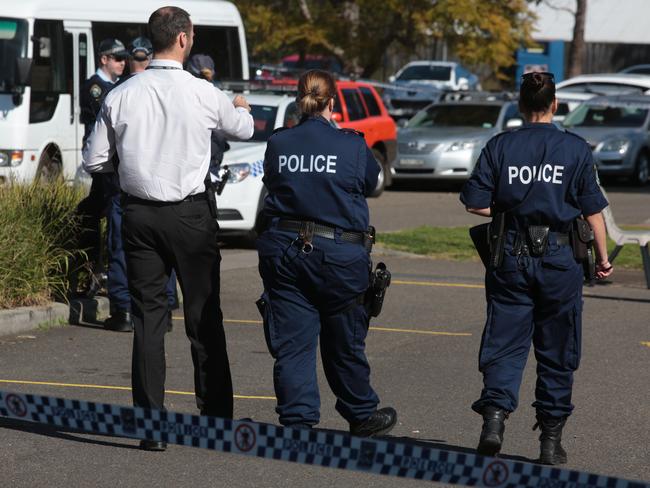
(646, 343)
(426, 332)
(124, 388)
(436, 283)
(381, 329)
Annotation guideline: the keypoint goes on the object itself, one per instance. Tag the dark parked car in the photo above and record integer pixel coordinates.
(617, 129)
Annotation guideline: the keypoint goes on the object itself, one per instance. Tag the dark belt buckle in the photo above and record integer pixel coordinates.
(306, 235)
(538, 235)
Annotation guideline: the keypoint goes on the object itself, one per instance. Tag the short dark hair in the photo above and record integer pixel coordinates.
(537, 92)
(164, 26)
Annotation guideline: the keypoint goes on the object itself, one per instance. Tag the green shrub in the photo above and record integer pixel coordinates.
(38, 229)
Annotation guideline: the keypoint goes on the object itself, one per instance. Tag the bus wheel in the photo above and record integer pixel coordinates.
(50, 167)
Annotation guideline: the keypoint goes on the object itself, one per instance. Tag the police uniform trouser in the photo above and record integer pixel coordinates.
(536, 299)
(308, 295)
(183, 236)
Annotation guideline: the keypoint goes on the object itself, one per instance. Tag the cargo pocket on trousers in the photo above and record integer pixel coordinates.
(264, 307)
(573, 350)
(483, 353)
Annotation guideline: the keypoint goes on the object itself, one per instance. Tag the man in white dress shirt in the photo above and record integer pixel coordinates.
(159, 123)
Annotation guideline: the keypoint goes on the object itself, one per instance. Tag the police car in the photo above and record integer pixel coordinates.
(243, 196)
(242, 199)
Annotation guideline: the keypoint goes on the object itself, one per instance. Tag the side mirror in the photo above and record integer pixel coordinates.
(391, 79)
(402, 123)
(514, 123)
(23, 72)
(337, 117)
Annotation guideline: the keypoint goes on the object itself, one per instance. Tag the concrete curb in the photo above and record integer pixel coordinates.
(23, 319)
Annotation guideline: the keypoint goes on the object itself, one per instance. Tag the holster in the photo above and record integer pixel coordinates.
(497, 239)
(538, 239)
(210, 196)
(489, 240)
(379, 283)
(582, 242)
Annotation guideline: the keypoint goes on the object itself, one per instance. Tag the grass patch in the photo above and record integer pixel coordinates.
(38, 230)
(454, 244)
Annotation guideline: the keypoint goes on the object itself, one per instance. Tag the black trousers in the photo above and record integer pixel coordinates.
(182, 236)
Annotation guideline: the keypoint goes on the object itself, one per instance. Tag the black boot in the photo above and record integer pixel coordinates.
(550, 449)
(380, 422)
(492, 432)
(120, 321)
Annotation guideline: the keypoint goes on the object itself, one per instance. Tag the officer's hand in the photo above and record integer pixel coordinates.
(240, 101)
(603, 270)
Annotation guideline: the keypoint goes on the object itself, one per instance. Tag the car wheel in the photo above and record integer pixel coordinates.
(381, 178)
(641, 170)
(50, 168)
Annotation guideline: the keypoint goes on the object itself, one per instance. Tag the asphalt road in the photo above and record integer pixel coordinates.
(423, 353)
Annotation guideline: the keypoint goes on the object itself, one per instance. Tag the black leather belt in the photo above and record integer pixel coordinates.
(143, 201)
(322, 230)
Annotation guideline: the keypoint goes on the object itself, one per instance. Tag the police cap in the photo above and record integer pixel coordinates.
(140, 48)
(112, 47)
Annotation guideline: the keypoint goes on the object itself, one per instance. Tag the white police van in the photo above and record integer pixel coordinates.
(47, 50)
(243, 196)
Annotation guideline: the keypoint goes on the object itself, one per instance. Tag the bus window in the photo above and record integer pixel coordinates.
(222, 45)
(51, 69)
(13, 45)
(83, 58)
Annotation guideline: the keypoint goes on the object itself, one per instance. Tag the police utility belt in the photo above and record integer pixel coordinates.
(489, 240)
(306, 231)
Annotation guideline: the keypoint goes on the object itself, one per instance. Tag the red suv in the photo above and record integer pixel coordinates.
(358, 106)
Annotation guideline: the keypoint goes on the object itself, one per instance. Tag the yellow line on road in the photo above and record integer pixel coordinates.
(436, 283)
(381, 329)
(124, 388)
(646, 344)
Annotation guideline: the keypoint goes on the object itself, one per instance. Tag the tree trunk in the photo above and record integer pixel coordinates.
(577, 50)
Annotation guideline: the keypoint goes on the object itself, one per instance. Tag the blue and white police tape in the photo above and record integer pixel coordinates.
(314, 447)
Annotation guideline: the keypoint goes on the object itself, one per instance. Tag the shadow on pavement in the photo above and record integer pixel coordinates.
(440, 444)
(616, 299)
(59, 433)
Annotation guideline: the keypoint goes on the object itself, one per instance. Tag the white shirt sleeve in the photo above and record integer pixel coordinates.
(235, 122)
(97, 154)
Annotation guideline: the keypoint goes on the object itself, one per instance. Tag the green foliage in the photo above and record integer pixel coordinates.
(38, 227)
(481, 32)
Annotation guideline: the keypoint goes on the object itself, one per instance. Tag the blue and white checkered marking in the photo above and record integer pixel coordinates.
(257, 168)
(313, 447)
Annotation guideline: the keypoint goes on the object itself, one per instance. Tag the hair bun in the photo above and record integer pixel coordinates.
(537, 81)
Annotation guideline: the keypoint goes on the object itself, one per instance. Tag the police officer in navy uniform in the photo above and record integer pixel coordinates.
(111, 60)
(541, 177)
(315, 266)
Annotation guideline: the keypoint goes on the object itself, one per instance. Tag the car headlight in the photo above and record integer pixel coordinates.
(10, 157)
(238, 172)
(615, 145)
(461, 146)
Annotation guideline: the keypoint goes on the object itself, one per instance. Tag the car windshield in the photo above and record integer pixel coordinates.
(590, 115)
(484, 116)
(13, 45)
(426, 72)
(264, 122)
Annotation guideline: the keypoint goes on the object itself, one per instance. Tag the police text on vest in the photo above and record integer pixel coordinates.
(525, 174)
(315, 164)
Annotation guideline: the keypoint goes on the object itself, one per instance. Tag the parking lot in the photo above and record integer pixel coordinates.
(423, 353)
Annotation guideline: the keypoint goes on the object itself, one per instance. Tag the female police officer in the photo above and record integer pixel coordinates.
(315, 263)
(542, 179)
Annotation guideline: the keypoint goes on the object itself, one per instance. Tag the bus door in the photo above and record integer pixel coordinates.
(83, 68)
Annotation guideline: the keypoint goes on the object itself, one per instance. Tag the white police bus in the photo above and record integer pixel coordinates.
(47, 51)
